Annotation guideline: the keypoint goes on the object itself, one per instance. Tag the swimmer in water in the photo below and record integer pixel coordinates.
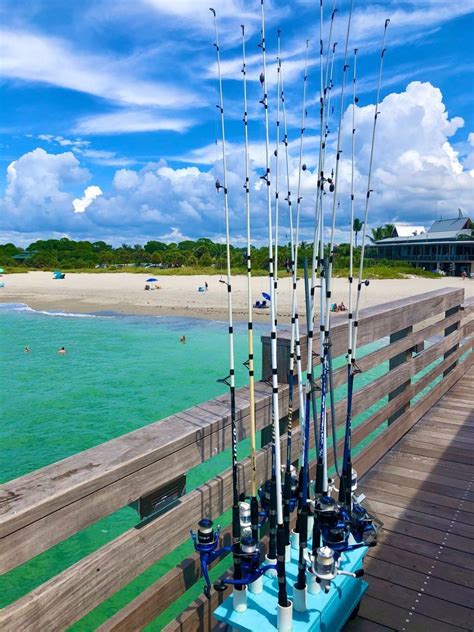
(27, 349)
(62, 350)
(183, 339)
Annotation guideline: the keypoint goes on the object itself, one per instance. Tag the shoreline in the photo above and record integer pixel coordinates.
(123, 293)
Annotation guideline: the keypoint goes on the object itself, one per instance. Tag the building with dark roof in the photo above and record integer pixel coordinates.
(448, 246)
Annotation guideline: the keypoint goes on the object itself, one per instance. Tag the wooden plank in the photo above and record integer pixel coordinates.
(408, 559)
(65, 516)
(438, 610)
(456, 455)
(380, 321)
(359, 624)
(154, 600)
(459, 533)
(64, 599)
(423, 486)
(413, 544)
(453, 598)
(386, 353)
(397, 456)
(453, 543)
(386, 614)
(379, 447)
(413, 494)
(432, 510)
(440, 480)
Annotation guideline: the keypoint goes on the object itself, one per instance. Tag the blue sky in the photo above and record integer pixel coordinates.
(109, 122)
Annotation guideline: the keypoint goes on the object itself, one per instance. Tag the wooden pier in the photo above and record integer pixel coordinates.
(413, 437)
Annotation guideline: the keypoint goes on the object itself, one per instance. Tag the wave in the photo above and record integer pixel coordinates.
(23, 307)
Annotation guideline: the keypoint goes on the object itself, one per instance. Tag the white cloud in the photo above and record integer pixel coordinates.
(418, 173)
(33, 57)
(37, 195)
(131, 121)
(90, 194)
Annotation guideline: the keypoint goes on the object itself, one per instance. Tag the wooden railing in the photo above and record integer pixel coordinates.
(427, 337)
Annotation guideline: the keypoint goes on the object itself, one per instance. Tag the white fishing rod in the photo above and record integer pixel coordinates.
(325, 104)
(284, 605)
(328, 272)
(277, 174)
(254, 518)
(230, 380)
(345, 484)
(295, 347)
(302, 520)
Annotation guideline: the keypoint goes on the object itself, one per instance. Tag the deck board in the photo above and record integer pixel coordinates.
(421, 575)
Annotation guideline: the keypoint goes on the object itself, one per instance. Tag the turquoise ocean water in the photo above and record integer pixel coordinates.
(120, 373)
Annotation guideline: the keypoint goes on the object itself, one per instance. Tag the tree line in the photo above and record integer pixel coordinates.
(203, 253)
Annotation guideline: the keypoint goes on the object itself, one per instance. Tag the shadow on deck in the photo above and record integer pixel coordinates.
(421, 575)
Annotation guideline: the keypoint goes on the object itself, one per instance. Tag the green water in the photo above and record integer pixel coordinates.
(120, 373)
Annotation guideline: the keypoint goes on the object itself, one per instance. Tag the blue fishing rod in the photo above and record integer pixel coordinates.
(349, 477)
(206, 539)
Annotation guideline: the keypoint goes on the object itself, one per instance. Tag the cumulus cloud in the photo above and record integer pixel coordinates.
(37, 196)
(418, 173)
(90, 194)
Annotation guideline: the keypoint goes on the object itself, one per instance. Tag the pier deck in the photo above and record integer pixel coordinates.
(421, 576)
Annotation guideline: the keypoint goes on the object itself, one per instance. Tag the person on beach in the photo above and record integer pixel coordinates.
(206, 285)
(27, 349)
(183, 339)
(62, 351)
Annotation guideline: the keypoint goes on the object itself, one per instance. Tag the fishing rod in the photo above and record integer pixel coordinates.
(324, 111)
(328, 265)
(347, 482)
(277, 180)
(284, 605)
(290, 484)
(254, 516)
(245, 550)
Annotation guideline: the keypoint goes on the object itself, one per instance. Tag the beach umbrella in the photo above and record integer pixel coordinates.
(266, 296)
(152, 280)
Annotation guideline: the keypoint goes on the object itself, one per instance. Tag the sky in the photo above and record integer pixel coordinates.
(109, 128)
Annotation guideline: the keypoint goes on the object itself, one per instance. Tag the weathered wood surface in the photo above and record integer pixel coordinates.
(379, 322)
(40, 509)
(69, 596)
(424, 569)
(198, 611)
(422, 565)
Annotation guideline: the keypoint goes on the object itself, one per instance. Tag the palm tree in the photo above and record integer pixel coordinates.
(382, 232)
(357, 227)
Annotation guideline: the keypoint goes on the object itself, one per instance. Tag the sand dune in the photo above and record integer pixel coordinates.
(124, 293)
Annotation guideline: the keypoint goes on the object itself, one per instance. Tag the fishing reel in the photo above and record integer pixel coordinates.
(325, 567)
(364, 526)
(250, 569)
(333, 522)
(206, 543)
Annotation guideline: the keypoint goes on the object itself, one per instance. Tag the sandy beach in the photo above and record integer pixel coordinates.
(125, 293)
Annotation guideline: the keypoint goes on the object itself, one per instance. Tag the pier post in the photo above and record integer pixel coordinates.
(449, 330)
(397, 361)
